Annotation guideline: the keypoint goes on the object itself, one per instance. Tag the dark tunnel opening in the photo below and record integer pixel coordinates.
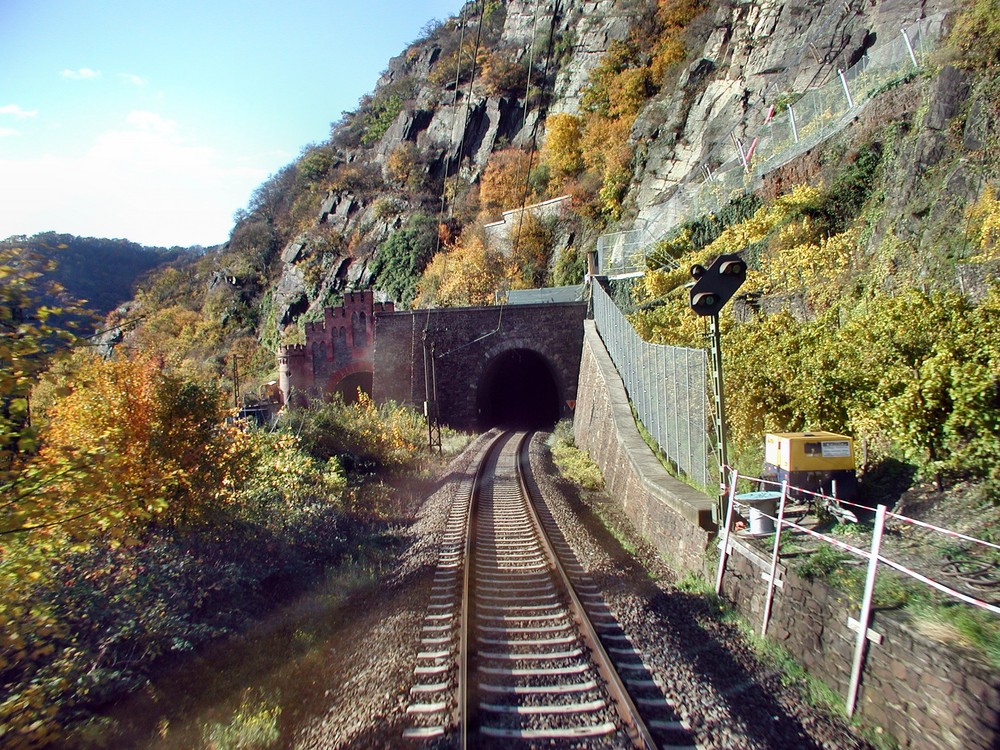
(518, 391)
(348, 387)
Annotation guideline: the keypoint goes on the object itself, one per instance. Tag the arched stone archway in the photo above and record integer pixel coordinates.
(348, 380)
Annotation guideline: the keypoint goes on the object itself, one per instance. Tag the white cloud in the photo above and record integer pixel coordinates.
(8, 132)
(143, 180)
(18, 112)
(133, 79)
(81, 74)
(150, 121)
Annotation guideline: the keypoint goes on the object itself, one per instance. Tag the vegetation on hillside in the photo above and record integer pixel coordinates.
(912, 373)
(103, 273)
(139, 522)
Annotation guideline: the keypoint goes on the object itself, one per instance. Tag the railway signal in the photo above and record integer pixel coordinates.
(713, 287)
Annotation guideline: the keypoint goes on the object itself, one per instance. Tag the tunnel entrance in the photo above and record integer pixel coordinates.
(348, 387)
(518, 391)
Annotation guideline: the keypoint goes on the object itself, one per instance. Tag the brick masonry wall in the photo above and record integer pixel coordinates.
(927, 695)
(466, 340)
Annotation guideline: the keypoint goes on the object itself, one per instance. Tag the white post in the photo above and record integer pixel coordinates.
(866, 611)
(743, 154)
(771, 580)
(791, 119)
(909, 48)
(726, 532)
(847, 91)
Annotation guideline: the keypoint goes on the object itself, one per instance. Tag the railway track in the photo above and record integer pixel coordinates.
(518, 647)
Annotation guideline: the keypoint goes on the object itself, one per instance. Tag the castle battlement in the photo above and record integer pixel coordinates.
(340, 342)
(292, 350)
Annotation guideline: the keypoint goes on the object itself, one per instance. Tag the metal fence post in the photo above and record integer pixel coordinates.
(847, 90)
(772, 579)
(726, 531)
(909, 48)
(866, 611)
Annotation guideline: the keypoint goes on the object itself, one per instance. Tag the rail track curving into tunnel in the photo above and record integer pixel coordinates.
(518, 647)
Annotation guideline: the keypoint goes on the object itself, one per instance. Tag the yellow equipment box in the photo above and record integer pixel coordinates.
(809, 451)
(814, 461)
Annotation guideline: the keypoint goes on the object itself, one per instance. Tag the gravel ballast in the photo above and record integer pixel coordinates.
(350, 687)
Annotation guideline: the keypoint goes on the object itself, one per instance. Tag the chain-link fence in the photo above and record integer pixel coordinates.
(668, 387)
(792, 127)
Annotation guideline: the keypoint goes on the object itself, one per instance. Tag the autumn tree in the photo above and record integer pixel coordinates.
(36, 327)
(561, 152)
(504, 184)
(468, 273)
(128, 444)
(531, 251)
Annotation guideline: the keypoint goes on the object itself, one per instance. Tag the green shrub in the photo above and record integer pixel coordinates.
(363, 437)
(401, 259)
(380, 117)
(573, 463)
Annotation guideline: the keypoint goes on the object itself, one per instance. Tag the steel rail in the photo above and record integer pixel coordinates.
(632, 724)
(635, 727)
(462, 714)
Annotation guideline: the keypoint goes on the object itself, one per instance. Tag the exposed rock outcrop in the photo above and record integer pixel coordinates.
(743, 56)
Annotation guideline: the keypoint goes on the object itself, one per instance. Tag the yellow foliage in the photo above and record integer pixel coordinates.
(797, 256)
(468, 273)
(799, 260)
(984, 224)
(631, 89)
(561, 151)
(607, 152)
(131, 442)
(678, 13)
(504, 184)
(403, 168)
(531, 252)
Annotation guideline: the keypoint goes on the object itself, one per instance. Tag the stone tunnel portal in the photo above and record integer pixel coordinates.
(518, 391)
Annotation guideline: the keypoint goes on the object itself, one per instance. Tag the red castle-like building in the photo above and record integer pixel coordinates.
(337, 355)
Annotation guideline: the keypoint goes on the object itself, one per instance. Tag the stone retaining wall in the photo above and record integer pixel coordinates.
(674, 517)
(927, 695)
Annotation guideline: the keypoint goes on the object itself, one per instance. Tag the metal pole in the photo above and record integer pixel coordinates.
(909, 48)
(847, 91)
(720, 411)
(726, 532)
(791, 119)
(866, 611)
(772, 580)
(435, 421)
(236, 384)
(427, 392)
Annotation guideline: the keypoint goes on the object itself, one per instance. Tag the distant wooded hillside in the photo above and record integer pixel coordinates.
(103, 272)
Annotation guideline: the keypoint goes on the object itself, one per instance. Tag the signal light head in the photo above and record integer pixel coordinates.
(704, 300)
(715, 285)
(733, 268)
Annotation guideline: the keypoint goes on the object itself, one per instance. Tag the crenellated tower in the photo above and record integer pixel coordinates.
(337, 355)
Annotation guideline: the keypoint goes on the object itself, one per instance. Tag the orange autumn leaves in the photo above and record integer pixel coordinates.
(130, 443)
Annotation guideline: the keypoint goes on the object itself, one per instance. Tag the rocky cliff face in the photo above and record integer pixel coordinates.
(742, 57)
(754, 53)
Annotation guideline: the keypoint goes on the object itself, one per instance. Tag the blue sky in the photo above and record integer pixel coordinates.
(154, 120)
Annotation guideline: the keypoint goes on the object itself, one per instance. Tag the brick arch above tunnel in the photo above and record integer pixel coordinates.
(518, 385)
(464, 342)
(348, 379)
